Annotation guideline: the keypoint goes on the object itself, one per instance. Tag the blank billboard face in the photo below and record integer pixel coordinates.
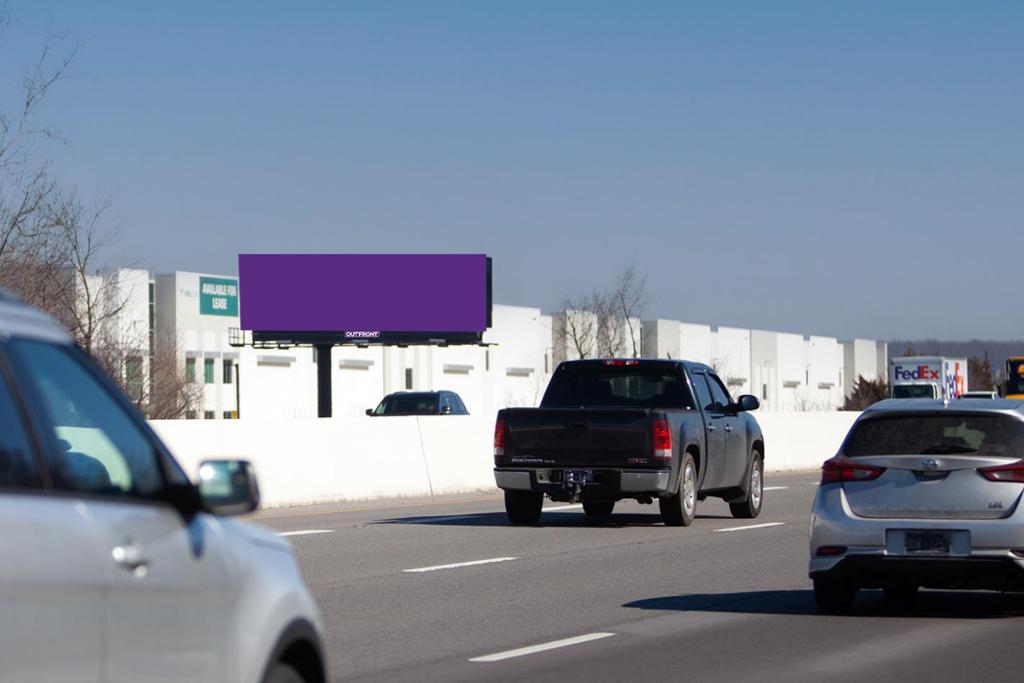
(363, 293)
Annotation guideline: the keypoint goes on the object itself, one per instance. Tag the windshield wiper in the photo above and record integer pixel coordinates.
(947, 449)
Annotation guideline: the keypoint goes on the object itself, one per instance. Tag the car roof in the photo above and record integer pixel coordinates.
(931, 405)
(22, 321)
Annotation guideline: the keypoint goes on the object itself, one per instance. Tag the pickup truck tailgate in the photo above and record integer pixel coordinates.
(585, 437)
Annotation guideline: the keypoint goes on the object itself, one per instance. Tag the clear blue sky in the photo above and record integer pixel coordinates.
(846, 168)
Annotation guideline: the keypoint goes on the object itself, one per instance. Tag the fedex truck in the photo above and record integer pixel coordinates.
(927, 377)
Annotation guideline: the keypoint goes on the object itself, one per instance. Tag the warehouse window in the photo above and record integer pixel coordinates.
(209, 415)
(228, 372)
(190, 415)
(190, 370)
(408, 378)
(208, 370)
(230, 415)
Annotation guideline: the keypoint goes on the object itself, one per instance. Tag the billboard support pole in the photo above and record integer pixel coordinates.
(323, 380)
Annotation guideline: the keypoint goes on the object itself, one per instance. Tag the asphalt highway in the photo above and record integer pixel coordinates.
(448, 591)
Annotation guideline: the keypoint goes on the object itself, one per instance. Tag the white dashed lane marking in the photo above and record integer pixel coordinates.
(543, 647)
(752, 526)
(456, 565)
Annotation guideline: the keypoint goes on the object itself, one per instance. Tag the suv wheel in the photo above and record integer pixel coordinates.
(282, 673)
(751, 507)
(834, 596)
(598, 508)
(680, 508)
(523, 507)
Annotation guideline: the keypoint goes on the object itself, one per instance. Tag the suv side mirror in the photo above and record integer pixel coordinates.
(228, 487)
(369, 411)
(746, 403)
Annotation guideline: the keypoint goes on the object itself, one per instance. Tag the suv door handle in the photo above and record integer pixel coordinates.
(728, 427)
(129, 556)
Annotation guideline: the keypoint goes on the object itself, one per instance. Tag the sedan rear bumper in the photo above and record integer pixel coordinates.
(984, 553)
(973, 573)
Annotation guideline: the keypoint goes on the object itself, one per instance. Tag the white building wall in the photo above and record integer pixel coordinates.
(695, 342)
(730, 356)
(662, 339)
(202, 337)
(824, 374)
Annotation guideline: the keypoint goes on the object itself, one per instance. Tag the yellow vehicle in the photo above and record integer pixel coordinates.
(1014, 377)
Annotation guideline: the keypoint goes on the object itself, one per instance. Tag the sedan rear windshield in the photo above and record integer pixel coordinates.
(599, 386)
(937, 435)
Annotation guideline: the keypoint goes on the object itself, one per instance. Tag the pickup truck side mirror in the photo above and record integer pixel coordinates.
(746, 403)
(369, 411)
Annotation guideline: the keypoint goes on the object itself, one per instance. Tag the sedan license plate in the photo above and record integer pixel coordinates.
(927, 543)
(578, 477)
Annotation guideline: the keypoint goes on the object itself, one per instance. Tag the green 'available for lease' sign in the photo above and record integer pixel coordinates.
(218, 296)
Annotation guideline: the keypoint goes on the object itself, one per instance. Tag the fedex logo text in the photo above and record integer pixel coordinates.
(920, 373)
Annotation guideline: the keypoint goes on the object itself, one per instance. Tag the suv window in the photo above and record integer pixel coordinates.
(17, 462)
(101, 449)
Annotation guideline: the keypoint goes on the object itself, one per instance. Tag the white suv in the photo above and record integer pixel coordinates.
(115, 567)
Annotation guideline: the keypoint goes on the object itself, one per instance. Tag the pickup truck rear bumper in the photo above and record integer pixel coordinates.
(606, 482)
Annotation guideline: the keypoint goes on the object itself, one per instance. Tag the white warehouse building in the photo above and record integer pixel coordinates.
(199, 314)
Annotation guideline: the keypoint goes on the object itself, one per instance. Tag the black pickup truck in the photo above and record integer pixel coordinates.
(643, 429)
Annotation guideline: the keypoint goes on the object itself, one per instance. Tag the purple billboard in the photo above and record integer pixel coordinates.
(364, 296)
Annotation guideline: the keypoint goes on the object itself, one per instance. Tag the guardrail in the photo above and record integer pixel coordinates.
(302, 461)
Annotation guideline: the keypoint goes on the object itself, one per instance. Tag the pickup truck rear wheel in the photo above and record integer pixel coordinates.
(751, 507)
(680, 508)
(598, 508)
(523, 507)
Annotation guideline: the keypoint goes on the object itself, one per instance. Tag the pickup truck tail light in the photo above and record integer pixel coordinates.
(661, 437)
(841, 468)
(1014, 472)
(500, 432)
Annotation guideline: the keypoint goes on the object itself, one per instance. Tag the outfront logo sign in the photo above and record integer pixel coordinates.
(920, 373)
(362, 334)
(218, 296)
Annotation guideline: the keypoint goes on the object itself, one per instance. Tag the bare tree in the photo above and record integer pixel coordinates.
(93, 304)
(30, 249)
(576, 327)
(170, 395)
(629, 299)
(605, 323)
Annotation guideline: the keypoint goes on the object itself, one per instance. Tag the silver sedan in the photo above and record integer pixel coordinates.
(923, 493)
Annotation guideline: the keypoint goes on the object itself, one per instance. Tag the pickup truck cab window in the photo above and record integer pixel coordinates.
(719, 394)
(700, 386)
(596, 385)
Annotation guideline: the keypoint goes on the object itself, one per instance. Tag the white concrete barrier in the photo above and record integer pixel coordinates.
(308, 460)
(802, 441)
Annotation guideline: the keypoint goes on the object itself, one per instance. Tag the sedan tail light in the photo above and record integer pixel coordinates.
(1014, 472)
(500, 432)
(840, 468)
